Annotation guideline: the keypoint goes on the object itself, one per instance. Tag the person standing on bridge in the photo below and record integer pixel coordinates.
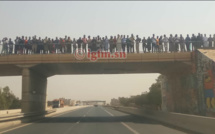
(106, 44)
(114, 44)
(94, 44)
(194, 42)
(153, 43)
(176, 43)
(56, 43)
(79, 41)
(68, 45)
(49, 42)
(16, 45)
(214, 40)
(25, 47)
(34, 45)
(144, 44)
(205, 41)
(123, 43)
(187, 41)
(160, 46)
(74, 45)
(199, 41)
(157, 44)
(1, 45)
(149, 42)
(111, 42)
(119, 43)
(202, 41)
(137, 41)
(10, 44)
(5, 46)
(63, 44)
(40, 46)
(103, 44)
(210, 40)
(98, 43)
(84, 44)
(182, 43)
(165, 41)
(89, 42)
(60, 45)
(21, 42)
(45, 42)
(52, 47)
(128, 44)
(132, 43)
(171, 43)
(29, 45)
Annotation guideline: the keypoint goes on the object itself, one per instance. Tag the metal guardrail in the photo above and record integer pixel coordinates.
(24, 115)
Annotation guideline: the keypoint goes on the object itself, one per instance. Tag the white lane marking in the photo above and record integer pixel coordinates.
(78, 122)
(129, 128)
(132, 130)
(108, 112)
(84, 115)
(15, 128)
(35, 121)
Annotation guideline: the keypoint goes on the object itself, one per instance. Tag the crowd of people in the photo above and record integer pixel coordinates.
(119, 43)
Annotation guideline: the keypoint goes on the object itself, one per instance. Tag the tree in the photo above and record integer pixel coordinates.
(8, 100)
(141, 99)
(151, 98)
(154, 95)
(124, 101)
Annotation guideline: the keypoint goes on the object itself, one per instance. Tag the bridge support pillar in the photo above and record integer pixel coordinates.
(33, 91)
(179, 93)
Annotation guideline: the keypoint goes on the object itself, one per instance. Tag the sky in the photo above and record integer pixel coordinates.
(73, 18)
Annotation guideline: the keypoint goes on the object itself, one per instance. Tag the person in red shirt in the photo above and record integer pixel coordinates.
(25, 50)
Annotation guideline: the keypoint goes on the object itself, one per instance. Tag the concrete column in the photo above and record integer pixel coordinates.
(33, 91)
(179, 93)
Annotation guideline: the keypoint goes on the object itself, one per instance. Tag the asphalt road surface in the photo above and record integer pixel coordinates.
(94, 120)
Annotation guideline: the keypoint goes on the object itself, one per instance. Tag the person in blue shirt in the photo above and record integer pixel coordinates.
(123, 43)
(106, 41)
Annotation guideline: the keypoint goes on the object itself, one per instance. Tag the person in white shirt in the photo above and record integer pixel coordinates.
(214, 40)
(118, 44)
(4, 46)
(137, 43)
(165, 41)
(205, 41)
(153, 43)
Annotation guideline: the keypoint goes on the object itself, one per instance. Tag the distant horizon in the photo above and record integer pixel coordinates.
(15, 87)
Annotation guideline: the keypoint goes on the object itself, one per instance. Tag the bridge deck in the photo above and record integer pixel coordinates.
(70, 58)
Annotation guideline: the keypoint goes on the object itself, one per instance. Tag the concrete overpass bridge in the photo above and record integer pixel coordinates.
(92, 102)
(35, 69)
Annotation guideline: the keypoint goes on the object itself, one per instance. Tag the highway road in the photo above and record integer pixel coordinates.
(93, 120)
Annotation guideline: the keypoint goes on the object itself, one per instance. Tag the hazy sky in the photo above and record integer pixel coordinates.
(101, 18)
